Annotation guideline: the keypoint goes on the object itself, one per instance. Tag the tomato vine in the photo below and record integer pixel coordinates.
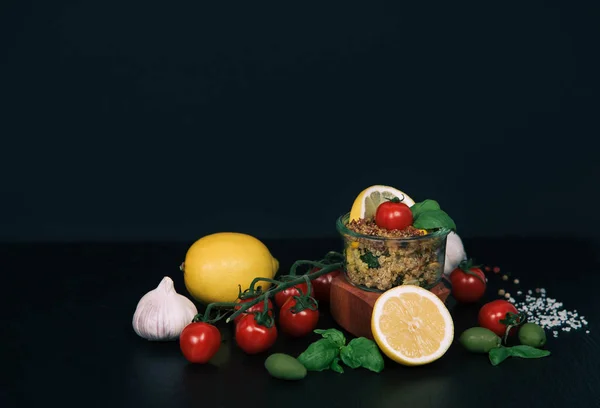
(331, 262)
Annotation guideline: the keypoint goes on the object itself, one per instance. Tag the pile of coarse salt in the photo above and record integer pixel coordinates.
(548, 313)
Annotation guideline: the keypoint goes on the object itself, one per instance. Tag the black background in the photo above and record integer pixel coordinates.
(165, 121)
(153, 120)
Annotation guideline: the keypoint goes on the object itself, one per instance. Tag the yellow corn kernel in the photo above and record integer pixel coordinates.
(354, 244)
(423, 231)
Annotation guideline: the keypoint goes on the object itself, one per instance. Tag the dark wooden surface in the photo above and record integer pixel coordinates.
(67, 338)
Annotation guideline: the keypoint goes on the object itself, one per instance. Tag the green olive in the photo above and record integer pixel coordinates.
(479, 340)
(531, 334)
(285, 367)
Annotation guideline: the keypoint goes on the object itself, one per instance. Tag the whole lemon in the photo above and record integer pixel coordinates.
(216, 264)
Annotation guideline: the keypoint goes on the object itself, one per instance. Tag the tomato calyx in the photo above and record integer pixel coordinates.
(305, 300)
(264, 318)
(466, 266)
(249, 293)
(303, 303)
(396, 199)
(512, 320)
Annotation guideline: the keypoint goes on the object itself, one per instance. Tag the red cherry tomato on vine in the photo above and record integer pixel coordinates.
(393, 214)
(297, 324)
(282, 296)
(322, 285)
(253, 337)
(468, 283)
(491, 313)
(199, 342)
(259, 307)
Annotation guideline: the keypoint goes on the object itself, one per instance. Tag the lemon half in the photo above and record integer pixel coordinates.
(366, 203)
(411, 325)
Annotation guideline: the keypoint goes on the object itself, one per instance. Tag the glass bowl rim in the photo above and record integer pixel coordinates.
(344, 230)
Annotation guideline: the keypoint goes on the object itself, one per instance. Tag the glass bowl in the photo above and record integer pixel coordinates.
(378, 264)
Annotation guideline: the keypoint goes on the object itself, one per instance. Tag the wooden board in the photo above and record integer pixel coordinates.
(352, 307)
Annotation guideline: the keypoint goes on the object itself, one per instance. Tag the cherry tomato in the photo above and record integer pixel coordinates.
(322, 285)
(393, 214)
(297, 324)
(491, 313)
(199, 342)
(468, 283)
(282, 296)
(256, 308)
(252, 337)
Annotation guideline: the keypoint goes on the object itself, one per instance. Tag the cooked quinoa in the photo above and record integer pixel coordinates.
(384, 264)
(369, 227)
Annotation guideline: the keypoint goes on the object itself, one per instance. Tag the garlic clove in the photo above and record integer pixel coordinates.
(162, 313)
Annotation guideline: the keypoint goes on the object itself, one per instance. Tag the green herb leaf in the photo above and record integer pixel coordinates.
(431, 219)
(335, 366)
(425, 205)
(333, 335)
(347, 354)
(371, 260)
(362, 352)
(498, 355)
(319, 355)
(524, 351)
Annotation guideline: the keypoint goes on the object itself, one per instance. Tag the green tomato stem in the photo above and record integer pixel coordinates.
(205, 317)
(284, 285)
(318, 264)
(308, 285)
(259, 279)
(512, 320)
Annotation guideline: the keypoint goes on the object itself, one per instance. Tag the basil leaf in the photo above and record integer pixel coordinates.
(524, 351)
(425, 205)
(434, 219)
(362, 352)
(348, 357)
(319, 355)
(333, 335)
(498, 355)
(371, 260)
(335, 366)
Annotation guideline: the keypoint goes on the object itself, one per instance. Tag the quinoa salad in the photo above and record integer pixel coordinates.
(392, 240)
(383, 264)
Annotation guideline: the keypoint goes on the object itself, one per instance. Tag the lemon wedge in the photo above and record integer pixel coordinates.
(411, 325)
(366, 203)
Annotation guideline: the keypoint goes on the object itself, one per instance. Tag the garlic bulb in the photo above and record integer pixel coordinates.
(455, 253)
(162, 313)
